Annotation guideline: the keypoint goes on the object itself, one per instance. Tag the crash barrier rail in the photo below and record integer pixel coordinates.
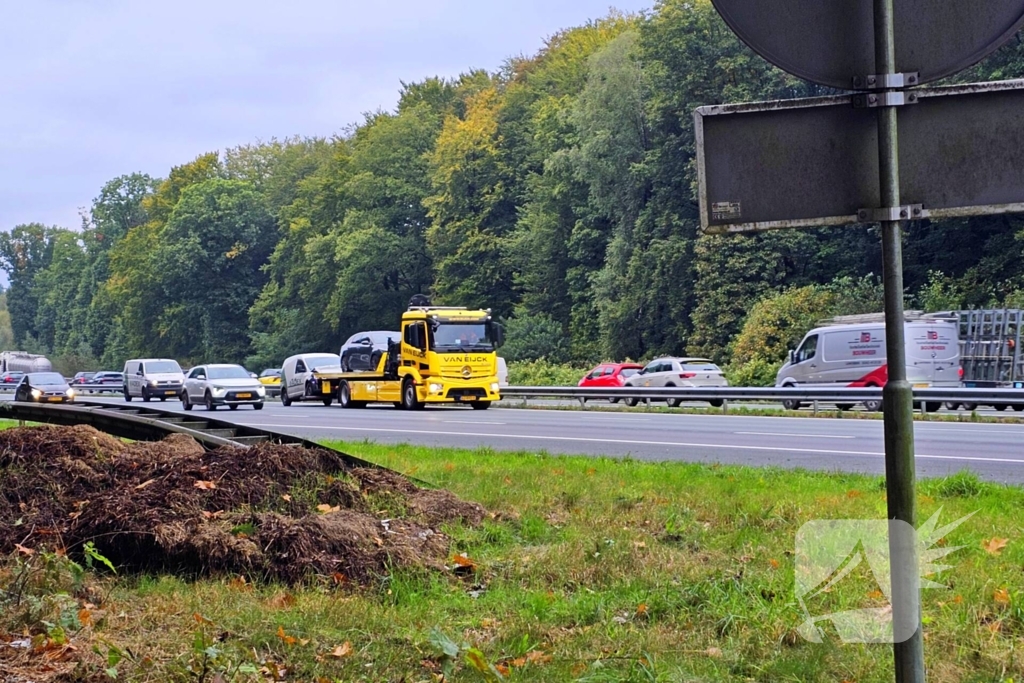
(152, 424)
(79, 388)
(841, 395)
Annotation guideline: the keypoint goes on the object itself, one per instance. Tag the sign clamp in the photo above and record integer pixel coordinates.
(886, 81)
(893, 213)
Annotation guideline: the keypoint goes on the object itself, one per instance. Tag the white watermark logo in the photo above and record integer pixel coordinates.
(858, 550)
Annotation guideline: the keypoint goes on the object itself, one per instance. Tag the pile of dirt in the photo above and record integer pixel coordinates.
(269, 512)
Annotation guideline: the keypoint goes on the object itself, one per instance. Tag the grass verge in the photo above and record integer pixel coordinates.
(585, 570)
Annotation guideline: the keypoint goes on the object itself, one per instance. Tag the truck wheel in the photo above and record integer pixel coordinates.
(481, 405)
(790, 404)
(950, 405)
(145, 395)
(345, 397)
(1001, 407)
(932, 406)
(328, 401)
(127, 396)
(1019, 407)
(410, 401)
(844, 406)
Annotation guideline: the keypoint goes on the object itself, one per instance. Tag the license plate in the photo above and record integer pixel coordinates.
(921, 386)
(169, 392)
(55, 399)
(244, 395)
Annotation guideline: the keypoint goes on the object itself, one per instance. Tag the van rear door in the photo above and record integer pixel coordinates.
(933, 353)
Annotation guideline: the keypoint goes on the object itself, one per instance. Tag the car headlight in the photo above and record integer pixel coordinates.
(494, 387)
(219, 391)
(261, 391)
(36, 393)
(436, 388)
(70, 392)
(152, 382)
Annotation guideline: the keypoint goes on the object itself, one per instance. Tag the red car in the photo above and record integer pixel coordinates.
(610, 375)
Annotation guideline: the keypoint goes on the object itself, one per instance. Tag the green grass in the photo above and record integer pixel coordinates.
(590, 570)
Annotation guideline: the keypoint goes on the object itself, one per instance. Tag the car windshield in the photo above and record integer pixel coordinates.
(270, 373)
(162, 366)
(314, 362)
(629, 372)
(701, 367)
(467, 337)
(229, 372)
(44, 379)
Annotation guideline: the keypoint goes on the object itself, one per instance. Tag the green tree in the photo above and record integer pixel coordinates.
(25, 251)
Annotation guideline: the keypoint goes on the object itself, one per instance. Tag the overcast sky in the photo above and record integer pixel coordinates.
(92, 89)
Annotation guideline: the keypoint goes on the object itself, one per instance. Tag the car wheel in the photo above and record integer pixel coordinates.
(209, 402)
(186, 404)
(145, 395)
(717, 403)
(631, 402)
(873, 406)
(257, 406)
(410, 401)
(163, 398)
(844, 406)
(233, 407)
(790, 404)
(285, 399)
(932, 406)
(481, 405)
(1001, 407)
(1018, 407)
(971, 407)
(613, 400)
(127, 396)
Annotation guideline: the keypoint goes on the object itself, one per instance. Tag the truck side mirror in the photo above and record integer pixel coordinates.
(499, 335)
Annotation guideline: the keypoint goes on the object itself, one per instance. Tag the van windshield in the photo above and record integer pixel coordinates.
(314, 362)
(159, 367)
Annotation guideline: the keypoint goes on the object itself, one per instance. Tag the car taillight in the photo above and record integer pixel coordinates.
(687, 375)
(961, 373)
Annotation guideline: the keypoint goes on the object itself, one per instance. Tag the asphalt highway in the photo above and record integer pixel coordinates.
(994, 451)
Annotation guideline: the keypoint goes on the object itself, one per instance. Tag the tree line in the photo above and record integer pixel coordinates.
(558, 190)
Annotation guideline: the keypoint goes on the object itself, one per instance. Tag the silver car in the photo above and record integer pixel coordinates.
(678, 372)
(222, 385)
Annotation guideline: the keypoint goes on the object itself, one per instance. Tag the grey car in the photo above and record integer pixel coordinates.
(678, 372)
(222, 385)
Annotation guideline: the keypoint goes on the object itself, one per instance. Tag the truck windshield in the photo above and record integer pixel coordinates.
(449, 337)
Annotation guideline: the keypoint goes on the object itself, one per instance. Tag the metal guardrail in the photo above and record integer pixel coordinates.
(152, 424)
(844, 395)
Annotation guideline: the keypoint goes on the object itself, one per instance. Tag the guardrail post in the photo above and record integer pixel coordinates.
(725, 406)
(814, 407)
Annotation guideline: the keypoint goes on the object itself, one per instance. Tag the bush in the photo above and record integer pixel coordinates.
(755, 373)
(541, 373)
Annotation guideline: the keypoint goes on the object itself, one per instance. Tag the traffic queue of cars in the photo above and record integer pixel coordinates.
(661, 372)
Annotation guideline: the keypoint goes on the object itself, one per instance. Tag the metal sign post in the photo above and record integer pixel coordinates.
(898, 397)
(828, 161)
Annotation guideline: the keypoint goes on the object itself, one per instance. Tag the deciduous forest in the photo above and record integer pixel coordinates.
(557, 189)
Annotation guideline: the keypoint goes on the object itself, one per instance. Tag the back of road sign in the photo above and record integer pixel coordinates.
(803, 163)
(832, 41)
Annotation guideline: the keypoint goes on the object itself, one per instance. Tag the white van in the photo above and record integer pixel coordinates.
(846, 353)
(295, 375)
(149, 378)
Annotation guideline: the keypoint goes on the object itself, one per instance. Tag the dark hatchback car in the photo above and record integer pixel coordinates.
(108, 378)
(44, 387)
(83, 377)
(362, 352)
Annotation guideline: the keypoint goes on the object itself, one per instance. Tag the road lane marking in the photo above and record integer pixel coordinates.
(784, 449)
(470, 422)
(802, 436)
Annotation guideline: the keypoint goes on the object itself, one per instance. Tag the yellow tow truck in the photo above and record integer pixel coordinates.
(446, 355)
